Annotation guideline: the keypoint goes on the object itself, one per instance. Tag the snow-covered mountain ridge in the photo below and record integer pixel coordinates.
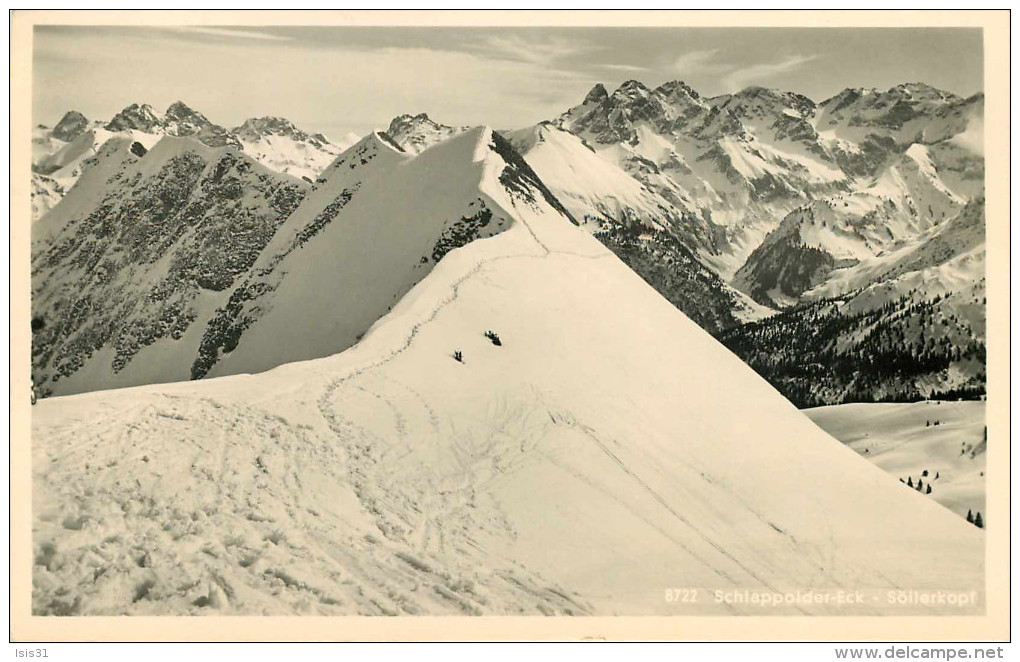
(61, 154)
(222, 270)
(732, 207)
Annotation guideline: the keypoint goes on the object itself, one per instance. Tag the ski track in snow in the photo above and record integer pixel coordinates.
(239, 534)
(373, 488)
(362, 461)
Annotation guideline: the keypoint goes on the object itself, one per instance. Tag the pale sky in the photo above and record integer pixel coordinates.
(341, 79)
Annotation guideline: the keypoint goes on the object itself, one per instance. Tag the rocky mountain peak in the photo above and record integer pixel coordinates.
(677, 90)
(847, 95)
(757, 101)
(757, 91)
(924, 90)
(182, 120)
(181, 111)
(401, 123)
(70, 126)
(889, 110)
(597, 95)
(631, 89)
(415, 133)
(914, 94)
(254, 128)
(138, 118)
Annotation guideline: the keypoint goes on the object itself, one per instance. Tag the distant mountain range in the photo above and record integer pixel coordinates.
(846, 234)
(60, 153)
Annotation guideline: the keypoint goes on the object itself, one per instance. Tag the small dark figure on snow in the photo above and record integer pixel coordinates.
(494, 337)
(458, 356)
(978, 522)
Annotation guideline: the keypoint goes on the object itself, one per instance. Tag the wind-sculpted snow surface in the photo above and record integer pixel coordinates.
(595, 458)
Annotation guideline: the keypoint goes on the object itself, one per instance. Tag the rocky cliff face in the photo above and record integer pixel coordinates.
(136, 261)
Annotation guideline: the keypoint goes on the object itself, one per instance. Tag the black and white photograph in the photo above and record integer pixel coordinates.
(398, 320)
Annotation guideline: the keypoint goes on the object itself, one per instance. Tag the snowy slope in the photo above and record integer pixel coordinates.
(47, 141)
(376, 225)
(90, 186)
(46, 193)
(950, 241)
(592, 188)
(595, 458)
(56, 173)
(942, 444)
(611, 203)
(655, 236)
(67, 164)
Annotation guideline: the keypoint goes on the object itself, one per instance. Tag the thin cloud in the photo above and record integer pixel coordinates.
(700, 62)
(534, 51)
(741, 78)
(623, 67)
(230, 32)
